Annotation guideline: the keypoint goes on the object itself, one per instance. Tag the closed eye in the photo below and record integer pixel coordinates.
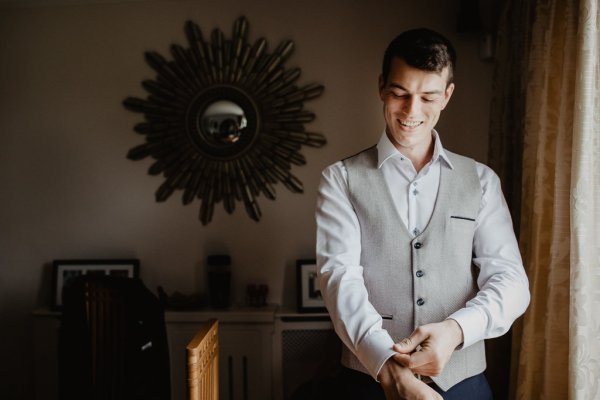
(399, 95)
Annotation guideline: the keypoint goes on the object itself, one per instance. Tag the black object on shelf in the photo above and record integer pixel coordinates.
(219, 280)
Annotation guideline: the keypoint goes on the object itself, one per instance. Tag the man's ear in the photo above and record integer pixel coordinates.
(381, 84)
(448, 94)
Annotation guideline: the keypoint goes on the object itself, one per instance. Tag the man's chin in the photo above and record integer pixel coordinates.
(410, 138)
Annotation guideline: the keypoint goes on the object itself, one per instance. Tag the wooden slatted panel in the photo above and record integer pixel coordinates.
(203, 363)
(107, 320)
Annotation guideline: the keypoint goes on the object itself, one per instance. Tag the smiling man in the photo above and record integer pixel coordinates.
(418, 261)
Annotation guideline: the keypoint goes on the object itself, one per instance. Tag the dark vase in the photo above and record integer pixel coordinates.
(219, 280)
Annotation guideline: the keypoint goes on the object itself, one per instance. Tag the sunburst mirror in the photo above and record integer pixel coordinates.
(224, 120)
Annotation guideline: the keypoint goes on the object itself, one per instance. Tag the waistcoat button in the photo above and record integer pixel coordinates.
(420, 302)
(418, 245)
(419, 273)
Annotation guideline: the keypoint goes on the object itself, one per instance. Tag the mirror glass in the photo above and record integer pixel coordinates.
(223, 123)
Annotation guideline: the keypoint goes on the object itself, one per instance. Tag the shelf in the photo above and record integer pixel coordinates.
(236, 314)
(289, 314)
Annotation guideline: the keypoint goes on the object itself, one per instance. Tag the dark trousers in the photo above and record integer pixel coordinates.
(354, 385)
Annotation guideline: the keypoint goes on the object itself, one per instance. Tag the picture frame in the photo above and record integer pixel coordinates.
(65, 270)
(309, 298)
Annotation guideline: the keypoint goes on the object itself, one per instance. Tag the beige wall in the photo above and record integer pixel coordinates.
(68, 191)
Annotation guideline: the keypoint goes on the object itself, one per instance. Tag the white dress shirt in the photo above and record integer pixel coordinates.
(504, 288)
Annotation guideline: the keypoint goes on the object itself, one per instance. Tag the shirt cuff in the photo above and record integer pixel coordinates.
(473, 323)
(374, 351)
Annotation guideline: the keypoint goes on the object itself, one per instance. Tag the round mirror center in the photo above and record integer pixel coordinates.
(223, 122)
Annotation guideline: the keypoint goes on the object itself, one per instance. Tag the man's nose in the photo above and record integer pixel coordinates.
(411, 106)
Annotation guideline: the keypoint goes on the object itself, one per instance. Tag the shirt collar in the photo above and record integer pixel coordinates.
(387, 150)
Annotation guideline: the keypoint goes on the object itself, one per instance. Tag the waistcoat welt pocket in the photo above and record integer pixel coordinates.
(463, 218)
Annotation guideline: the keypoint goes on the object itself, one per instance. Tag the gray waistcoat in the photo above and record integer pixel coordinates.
(423, 279)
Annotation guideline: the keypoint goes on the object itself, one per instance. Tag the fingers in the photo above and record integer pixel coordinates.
(402, 359)
(406, 346)
(425, 362)
(409, 344)
(422, 366)
(421, 358)
(427, 350)
(400, 383)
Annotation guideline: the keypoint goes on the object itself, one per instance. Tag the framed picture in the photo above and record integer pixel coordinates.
(309, 293)
(65, 270)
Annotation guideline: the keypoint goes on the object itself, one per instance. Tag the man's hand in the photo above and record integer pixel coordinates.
(398, 382)
(437, 342)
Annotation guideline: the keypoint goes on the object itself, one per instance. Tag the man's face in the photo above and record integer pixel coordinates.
(412, 102)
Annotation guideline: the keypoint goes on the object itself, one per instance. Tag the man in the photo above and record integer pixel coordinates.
(418, 261)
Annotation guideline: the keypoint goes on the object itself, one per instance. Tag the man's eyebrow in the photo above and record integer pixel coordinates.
(399, 86)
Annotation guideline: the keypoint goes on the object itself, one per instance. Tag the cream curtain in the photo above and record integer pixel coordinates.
(584, 326)
(556, 346)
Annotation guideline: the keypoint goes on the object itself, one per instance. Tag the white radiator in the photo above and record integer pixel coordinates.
(306, 351)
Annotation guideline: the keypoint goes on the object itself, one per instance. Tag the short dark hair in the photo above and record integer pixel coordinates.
(423, 49)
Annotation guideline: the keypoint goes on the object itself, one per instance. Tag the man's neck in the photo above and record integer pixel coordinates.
(418, 155)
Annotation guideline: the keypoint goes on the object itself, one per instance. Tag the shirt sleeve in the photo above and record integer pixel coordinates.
(503, 285)
(354, 318)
